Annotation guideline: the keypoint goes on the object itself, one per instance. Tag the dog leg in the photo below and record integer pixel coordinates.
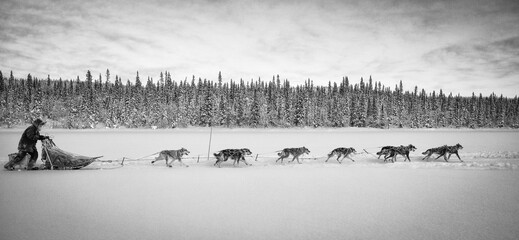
(167, 158)
(459, 157)
(329, 156)
(245, 161)
(350, 159)
(393, 160)
(157, 159)
(339, 157)
(387, 157)
(173, 160)
(182, 163)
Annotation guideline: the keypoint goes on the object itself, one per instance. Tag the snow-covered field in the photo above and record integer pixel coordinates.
(366, 199)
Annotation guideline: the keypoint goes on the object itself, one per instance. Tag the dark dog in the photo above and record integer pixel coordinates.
(401, 150)
(442, 151)
(438, 150)
(385, 151)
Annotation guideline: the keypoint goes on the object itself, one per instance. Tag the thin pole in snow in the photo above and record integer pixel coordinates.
(209, 149)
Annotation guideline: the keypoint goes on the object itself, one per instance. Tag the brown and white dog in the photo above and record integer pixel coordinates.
(173, 154)
(296, 152)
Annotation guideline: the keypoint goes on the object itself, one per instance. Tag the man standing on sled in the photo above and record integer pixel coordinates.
(27, 145)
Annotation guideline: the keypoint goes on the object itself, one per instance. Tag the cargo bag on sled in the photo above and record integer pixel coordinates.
(55, 158)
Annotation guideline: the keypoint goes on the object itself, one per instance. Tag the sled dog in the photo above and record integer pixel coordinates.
(236, 154)
(442, 151)
(401, 150)
(173, 154)
(296, 152)
(385, 151)
(452, 150)
(344, 152)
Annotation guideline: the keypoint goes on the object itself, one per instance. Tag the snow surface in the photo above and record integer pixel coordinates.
(366, 199)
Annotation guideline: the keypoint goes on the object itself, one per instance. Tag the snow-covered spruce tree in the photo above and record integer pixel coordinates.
(4, 102)
(205, 105)
(287, 110)
(2, 84)
(515, 112)
(309, 104)
(280, 106)
(255, 111)
(299, 109)
(271, 103)
(28, 95)
(501, 112)
(3, 98)
(36, 104)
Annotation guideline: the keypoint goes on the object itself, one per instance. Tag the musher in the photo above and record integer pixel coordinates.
(27, 145)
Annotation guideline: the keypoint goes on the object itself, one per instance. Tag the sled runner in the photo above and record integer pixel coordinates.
(55, 158)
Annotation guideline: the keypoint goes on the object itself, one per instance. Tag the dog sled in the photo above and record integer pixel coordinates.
(56, 158)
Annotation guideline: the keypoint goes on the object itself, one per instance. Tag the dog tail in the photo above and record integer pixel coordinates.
(425, 153)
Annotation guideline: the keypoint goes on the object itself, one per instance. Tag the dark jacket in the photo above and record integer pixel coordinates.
(29, 138)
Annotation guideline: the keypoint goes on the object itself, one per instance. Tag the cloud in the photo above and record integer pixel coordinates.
(498, 58)
(425, 43)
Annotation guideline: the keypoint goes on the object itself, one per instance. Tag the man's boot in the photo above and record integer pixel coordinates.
(13, 160)
(30, 164)
(9, 166)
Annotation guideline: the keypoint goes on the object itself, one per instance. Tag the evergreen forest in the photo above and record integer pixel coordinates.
(100, 101)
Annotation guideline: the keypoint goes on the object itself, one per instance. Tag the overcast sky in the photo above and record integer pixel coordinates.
(460, 46)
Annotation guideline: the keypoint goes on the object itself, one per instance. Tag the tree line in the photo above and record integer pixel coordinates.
(100, 102)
